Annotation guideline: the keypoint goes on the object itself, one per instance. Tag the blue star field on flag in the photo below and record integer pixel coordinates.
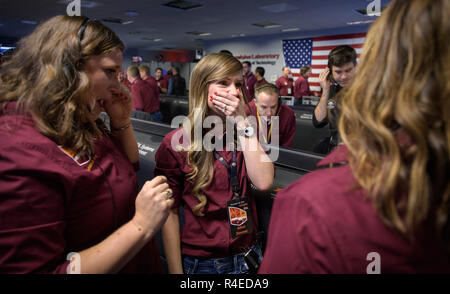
(298, 53)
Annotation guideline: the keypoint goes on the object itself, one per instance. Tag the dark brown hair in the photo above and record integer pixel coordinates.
(341, 55)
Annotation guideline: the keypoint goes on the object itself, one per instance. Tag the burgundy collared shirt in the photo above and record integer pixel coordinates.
(144, 98)
(249, 86)
(322, 224)
(301, 87)
(205, 236)
(53, 202)
(154, 84)
(286, 125)
(260, 82)
(162, 83)
(285, 85)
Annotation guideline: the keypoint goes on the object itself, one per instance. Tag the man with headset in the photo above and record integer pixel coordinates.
(266, 105)
(340, 70)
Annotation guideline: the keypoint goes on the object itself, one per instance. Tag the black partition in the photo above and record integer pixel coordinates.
(306, 135)
(172, 106)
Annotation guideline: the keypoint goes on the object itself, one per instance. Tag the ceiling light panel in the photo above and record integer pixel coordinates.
(183, 5)
(279, 7)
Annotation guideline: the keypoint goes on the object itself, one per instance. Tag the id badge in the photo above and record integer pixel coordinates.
(239, 217)
(289, 91)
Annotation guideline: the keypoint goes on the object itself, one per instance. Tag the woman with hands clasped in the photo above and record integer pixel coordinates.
(68, 189)
(212, 185)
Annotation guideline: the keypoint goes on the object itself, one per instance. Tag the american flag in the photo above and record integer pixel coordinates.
(314, 52)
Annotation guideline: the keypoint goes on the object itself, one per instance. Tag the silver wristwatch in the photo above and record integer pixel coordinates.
(247, 131)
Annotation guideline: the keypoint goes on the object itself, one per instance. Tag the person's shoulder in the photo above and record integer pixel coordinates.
(175, 139)
(150, 80)
(325, 186)
(18, 128)
(171, 150)
(25, 147)
(286, 109)
(325, 193)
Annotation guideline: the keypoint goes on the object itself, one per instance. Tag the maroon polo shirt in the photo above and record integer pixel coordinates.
(322, 224)
(167, 77)
(285, 85)
(260, 82)
(52, 204)
(205, 236)
(144, 98)
(154, 84)
(287, 125)
(162, 83)
(249, 86)
(301, 88)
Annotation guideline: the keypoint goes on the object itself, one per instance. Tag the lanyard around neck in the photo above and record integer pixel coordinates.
(261, 129)
(232, 171)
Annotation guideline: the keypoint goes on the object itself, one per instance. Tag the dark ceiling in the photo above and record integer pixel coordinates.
(158, 27)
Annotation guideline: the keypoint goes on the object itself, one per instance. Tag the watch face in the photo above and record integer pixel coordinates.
(331, 104)
(248, 131)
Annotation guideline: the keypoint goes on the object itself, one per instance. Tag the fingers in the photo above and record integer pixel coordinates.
(225, 102)
(324, 74)
(118, 100)
(156, 181)
(152, 207)
(157, 186)
(168, 194)
(324, 80)
(226, 96)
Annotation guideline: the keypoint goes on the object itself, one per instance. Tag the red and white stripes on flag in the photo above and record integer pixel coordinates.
(296, 53)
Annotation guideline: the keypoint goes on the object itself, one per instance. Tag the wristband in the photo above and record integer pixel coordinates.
(120, 128)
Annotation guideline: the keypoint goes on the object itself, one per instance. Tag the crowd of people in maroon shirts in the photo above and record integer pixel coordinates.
(379, 203)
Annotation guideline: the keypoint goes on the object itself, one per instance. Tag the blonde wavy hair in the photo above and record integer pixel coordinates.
(211, 68)
(45, 76)
(395, 116)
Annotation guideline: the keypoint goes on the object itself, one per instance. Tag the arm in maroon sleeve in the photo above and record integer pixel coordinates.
(299, 240)
(297, 88)
(305, 89)
(301, 88)
(168, 164)
(138, 100)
